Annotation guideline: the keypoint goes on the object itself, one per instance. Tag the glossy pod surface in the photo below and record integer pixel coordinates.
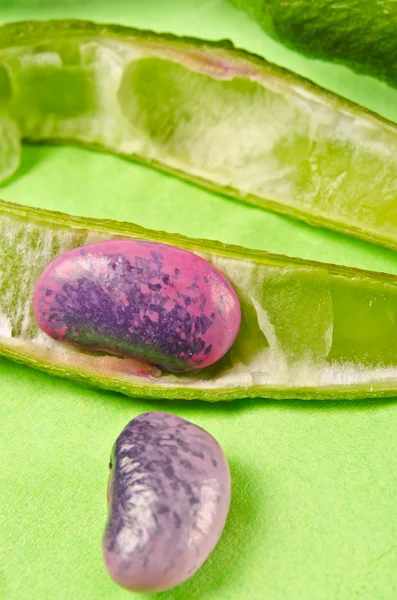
(168, 496)
(141, 299)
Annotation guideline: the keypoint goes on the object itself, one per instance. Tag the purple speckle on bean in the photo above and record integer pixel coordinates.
(144, 300)
(168, 499)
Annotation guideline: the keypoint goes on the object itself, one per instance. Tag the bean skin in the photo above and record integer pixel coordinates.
(144, 300)
(168, 499)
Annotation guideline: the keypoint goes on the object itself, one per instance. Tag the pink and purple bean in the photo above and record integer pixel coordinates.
(164, 305)
(168, 499)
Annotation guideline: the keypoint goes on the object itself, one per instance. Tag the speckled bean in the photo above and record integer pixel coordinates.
(168, 499)
(150, 301)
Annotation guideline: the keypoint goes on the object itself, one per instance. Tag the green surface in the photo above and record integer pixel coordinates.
(313, 512)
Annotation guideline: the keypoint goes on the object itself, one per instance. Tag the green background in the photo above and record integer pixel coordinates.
(313, 514)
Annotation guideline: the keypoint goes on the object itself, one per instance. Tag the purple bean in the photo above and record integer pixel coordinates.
(143, 300)
(168, 499)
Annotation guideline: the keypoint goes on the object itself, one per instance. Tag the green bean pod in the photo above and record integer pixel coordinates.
(308, 330)
(360, 34)
(217, 116)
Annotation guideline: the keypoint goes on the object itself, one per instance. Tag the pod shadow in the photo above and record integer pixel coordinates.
(244, 404)
(227, 565)
(30, 157)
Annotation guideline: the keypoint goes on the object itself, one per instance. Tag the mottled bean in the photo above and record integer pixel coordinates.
(168, 499)
(144, 300)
